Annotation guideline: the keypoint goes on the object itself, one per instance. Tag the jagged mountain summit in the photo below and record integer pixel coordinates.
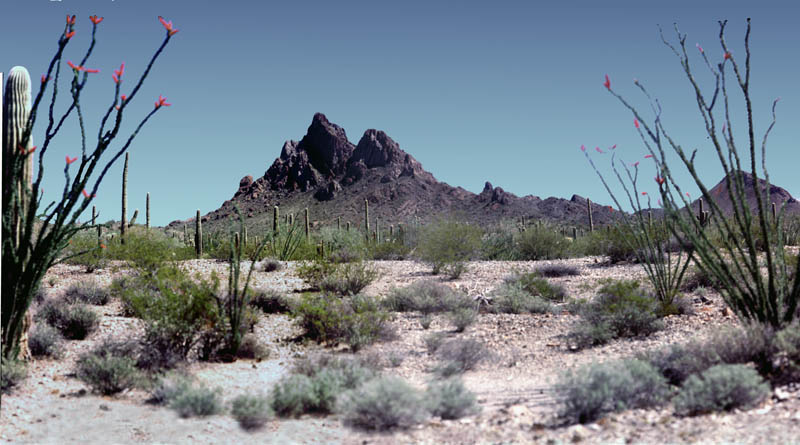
(332, 177)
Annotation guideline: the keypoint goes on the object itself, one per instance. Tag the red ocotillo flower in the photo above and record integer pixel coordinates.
(635, 164)
(659, 180)
(70, 161)
(73, 66)
(23, 151)
(162, 101)
(89, 70)
(45, 78)
(699, 47)
(70, 20)
(102, 246)
(583, 148)
(726, 56)
(123, 101)
(644, 193)
(607, 83)
(599, 150)
(648, 156)
(612, 147)
(636, 122)
(167, 25)
(85, 195)
(95, 19)
(69, 34)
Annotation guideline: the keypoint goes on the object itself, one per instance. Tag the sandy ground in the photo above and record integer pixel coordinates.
(529, 353)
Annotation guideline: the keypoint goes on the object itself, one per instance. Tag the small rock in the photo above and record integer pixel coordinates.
(781, 394)
(104, 407)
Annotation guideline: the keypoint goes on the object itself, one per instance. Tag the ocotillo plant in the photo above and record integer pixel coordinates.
(198, 235)
(308, 228)
(123, 219)
(147, 212)
(770, 299)
(45, 233)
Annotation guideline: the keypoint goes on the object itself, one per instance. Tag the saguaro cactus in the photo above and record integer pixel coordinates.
(702, 216)
(147, 211)
(198, 235)
(366, 218)
(589, 209)
(123, 220)
(133, 218)
(275, 215)
(16, 111)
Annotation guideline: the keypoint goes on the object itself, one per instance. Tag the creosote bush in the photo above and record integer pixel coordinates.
(427, 297)
(191, 401)
(251, 411)
(271, 265)
(74, 321)
(721, 388)
(87, 291)
(106, 370)
(620, 309)
(542, 242)
(595, 389)
(459, 355)
(270, 301)
(45, 341)
(537, 286)
(512, 298)
(557, 270)
(463, 317)
(447, 245)
(348, 279)
(381, 404)
(356, 320)
(450, 399)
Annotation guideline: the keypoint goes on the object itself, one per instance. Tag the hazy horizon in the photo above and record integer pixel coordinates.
(504, 92)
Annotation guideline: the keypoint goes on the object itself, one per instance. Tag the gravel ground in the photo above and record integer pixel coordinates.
(528, 354)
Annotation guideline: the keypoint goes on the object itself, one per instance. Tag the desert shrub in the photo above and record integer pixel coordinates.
(147, 251)
(106, 371)
(450, 399)
(617, 247)
(512, 298)
(93, 259)
(87, 291)
(557, 270)
(12, 372)
(425, 320)
(459, 355)
(620, 309)
(395, 358)
(696, 278)
(356, 320)
(252, 412)
(351, 372)
(463, 317)
(537, 286)
(447, 245)
(271, 265)
(382, 404)
(168, 386)
(787, 342)
(252, 348)
(498, 244)
(393, 250)
(595, 389)
(45, 341)
(191, 401)
(721, 388)
(542, 242)
(74, 321)
(348, 279)
(270, 301)
(344, 245)
(293, 396)
(314, 272)
(425, 296)
(434, 340)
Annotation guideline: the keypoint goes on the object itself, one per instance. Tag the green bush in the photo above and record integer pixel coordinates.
(87, 291)
(356, 320)
(512, 298)
(168, 386)
(721, 388)
(450, 399)
(252, 412)
(447, 246)
(45, 341)
(147, 251)
(537, 286)
(427, 297)
(107, 372)
(12, 372)
(434, 340)
(459, 355)
(620, 309)
(788, 344)
(463, 317)
(271, 265)
(270, 301)
(314, 272)
(343, 245)
(94, 258)
(498, 244)
(193, 401)
(393, 250)
(252, 348)
(595, 389)
(382, 404)
(348, 279)
(74, 321)
(542, 242)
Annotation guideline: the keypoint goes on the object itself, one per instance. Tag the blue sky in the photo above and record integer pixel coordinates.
(504, 91)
